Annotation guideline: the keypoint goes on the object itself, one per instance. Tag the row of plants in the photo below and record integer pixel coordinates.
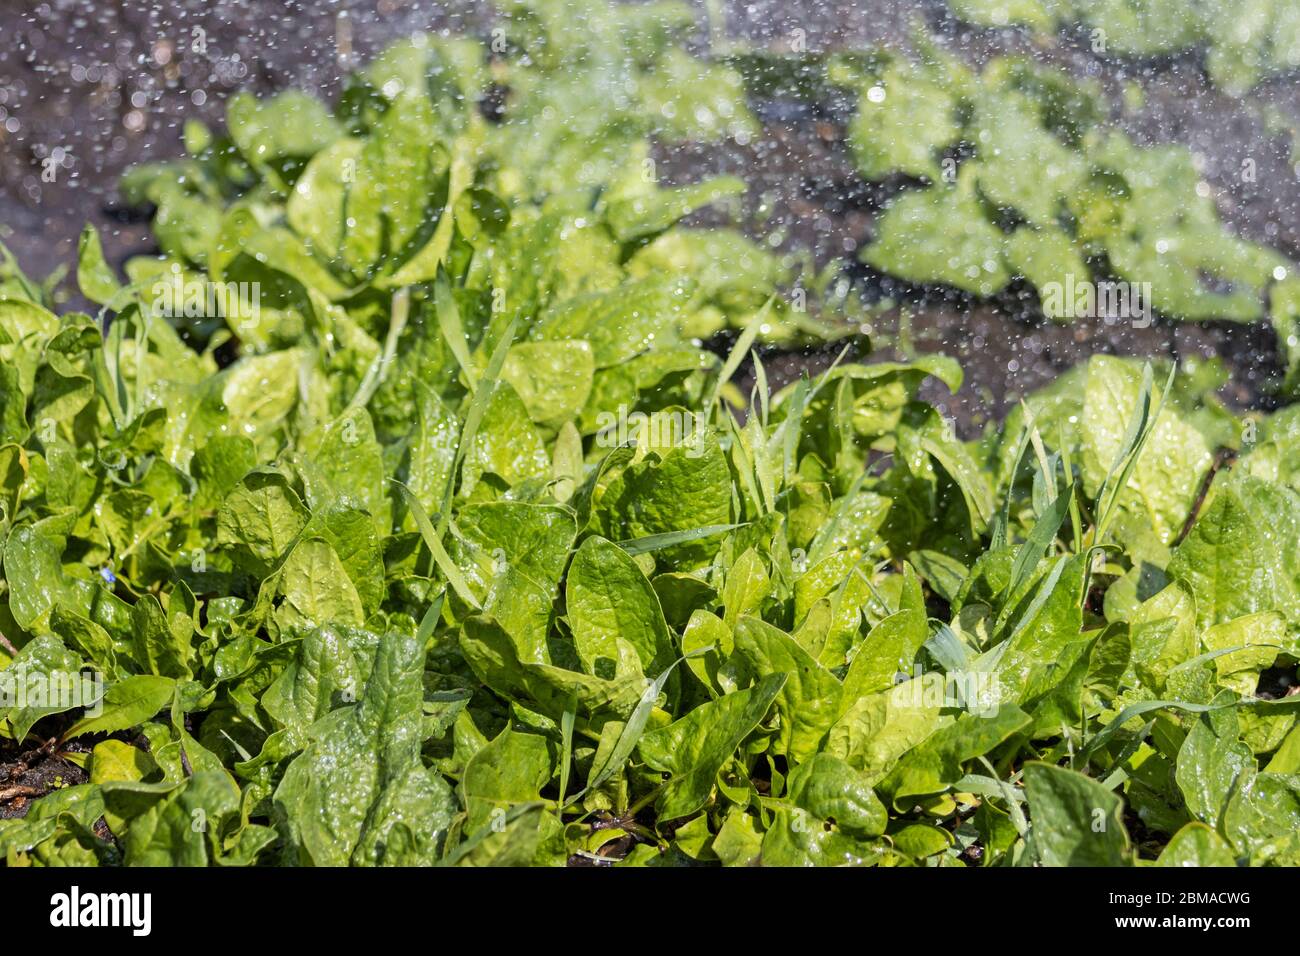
(1023, 179)
(405, 520)
(1243, 43)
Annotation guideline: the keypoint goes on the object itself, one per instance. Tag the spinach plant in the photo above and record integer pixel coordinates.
(399, 517)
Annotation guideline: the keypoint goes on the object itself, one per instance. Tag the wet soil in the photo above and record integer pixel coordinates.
(111, 83)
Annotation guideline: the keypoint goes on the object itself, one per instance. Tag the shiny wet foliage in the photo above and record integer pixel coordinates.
(404, 519)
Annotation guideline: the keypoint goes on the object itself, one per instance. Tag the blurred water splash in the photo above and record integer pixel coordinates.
(88, 89)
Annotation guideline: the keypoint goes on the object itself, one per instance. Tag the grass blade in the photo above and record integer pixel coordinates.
(635, 725)
(474, 416)
(450, 325)
(738, 353)
(566, 740)
(1040, 540)
(401, 312)
(1137, 710)
(656, 542)
(434, 543)
(821, 543)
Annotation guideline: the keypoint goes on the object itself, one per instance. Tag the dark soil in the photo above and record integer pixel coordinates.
(38, 766)
(111, 83)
